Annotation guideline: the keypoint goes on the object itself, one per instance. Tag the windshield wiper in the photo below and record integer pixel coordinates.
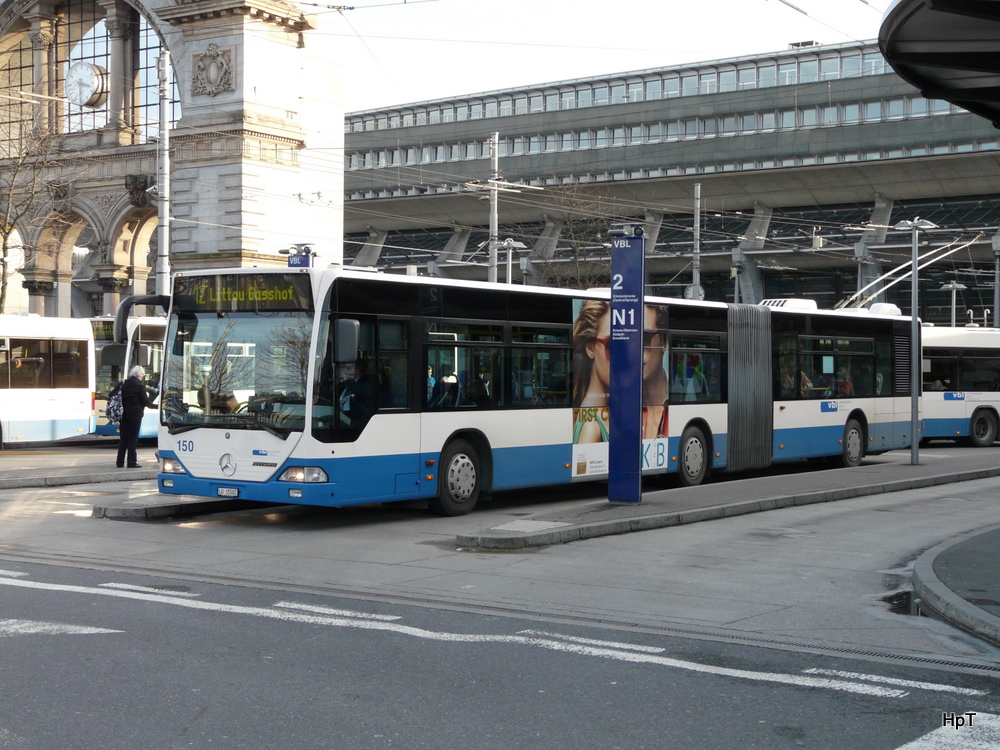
(175, 428)
(277, 432)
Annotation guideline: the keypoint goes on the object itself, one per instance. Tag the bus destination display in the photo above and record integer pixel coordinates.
(243, 292)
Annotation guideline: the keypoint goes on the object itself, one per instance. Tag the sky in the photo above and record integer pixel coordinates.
(405, 51)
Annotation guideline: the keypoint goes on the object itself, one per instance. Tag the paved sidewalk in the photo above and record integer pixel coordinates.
(958, 580)
(85, 460)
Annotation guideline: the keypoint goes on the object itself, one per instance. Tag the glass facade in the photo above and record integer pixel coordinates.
(825, 64)
(709, 127)
(80, 35)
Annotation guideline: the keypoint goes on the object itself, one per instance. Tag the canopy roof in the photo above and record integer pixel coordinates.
(949, 49)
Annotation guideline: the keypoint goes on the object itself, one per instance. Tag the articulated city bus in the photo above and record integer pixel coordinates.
(46, 378)
(144, 346)
(961, 384)
(338, 387)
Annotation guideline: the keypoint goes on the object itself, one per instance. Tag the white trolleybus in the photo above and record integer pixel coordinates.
(46, 378)
(336, 387)
(961, 384)
(143, 346)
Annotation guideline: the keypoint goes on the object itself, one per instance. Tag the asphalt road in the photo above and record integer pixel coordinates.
(121, 661)
(276, 627)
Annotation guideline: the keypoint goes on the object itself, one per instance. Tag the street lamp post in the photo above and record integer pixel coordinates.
(163, 178)
(953, 286)
(915, 226)
(511, 244)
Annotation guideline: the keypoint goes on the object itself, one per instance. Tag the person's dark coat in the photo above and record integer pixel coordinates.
(134, 399)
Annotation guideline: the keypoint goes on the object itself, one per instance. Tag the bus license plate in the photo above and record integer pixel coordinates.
(228, 492)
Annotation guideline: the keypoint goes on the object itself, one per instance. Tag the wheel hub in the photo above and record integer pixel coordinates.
(694, 457)
(461, 477)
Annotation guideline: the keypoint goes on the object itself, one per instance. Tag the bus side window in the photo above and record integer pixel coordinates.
(4, 368)
(393, 364)
(393, 378)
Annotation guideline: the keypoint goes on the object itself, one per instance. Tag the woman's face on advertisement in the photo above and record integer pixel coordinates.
(653, 343)
(601, 349)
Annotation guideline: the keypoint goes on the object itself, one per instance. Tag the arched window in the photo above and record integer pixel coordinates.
(82, 68)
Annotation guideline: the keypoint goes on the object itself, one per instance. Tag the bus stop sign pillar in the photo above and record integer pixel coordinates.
(624, 449)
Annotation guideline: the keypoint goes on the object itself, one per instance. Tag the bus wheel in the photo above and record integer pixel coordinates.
(854, 444)
(460, 480)
(982, 429)
(693, 465)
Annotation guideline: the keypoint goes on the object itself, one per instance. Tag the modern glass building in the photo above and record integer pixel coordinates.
(804, 160)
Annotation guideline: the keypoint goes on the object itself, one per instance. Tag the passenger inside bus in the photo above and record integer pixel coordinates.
(477, 393)
(446, 392)
(845, 386)
(789, 388)
(357, 394)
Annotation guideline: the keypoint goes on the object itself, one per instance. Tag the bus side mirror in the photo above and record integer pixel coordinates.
(143, 355)
(113, 355)
(346, 335)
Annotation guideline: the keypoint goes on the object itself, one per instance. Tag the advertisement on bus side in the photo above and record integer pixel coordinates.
(592, 386)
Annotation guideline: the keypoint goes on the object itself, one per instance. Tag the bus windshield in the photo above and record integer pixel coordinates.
(238, 370)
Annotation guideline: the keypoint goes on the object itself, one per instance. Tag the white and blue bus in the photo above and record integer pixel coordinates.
(46, 379)
(961, 384)
(337, 387)
(144, 346)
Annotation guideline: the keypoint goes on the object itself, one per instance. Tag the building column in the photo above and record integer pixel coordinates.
(39, 295)
(749, 281)
(651, 224)
(370, 253)
(542, 251)
(453, 250)
(869, 269)
(112, 280)
(42, 36)
(118, 22)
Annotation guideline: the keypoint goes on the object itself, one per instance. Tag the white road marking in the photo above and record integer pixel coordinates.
(12, 574)
(538, 642)
(896, 682)
(32, 627)
(337, 612)
(147, 589)
(591, 642)
(982, 734)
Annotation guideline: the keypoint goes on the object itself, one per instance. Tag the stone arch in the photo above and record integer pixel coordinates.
(131, 244)
(48, 268)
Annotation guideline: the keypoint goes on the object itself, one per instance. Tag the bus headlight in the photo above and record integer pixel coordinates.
(303, 474)
(171, 466)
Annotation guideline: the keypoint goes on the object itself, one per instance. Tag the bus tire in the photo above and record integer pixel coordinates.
(853, 449)
(460, 480)
(693, 457)
(982, 428)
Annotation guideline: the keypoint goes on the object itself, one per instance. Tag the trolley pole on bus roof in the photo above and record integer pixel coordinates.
(915, 379)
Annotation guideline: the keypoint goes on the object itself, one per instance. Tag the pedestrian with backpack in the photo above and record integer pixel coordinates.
(134, 403)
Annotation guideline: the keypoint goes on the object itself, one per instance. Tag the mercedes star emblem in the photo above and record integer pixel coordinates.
(228, 464)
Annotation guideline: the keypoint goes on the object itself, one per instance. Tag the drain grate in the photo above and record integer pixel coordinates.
(900, 602)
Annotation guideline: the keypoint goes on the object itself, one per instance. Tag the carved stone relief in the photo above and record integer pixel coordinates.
(137, 185)
(41, 39)
(214, 71)
(118, 28)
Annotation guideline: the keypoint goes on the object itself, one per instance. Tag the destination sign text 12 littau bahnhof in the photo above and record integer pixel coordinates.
(244, 292)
